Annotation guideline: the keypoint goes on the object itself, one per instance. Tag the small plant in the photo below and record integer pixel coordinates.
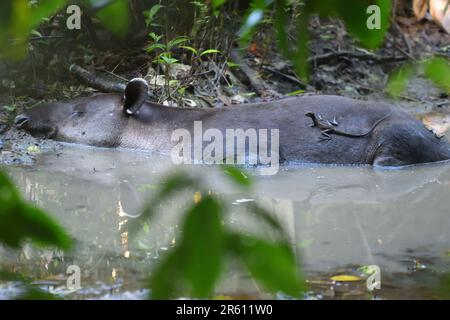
(201, 17)
(164, 56)
(150, 16)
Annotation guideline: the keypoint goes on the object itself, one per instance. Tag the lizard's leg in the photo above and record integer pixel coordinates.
(325, 135)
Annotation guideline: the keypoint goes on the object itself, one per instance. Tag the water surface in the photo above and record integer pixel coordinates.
(338, 219)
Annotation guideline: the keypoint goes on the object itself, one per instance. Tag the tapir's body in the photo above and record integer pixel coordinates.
(100, 120)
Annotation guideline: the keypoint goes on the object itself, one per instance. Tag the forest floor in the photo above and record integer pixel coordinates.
(338, 66)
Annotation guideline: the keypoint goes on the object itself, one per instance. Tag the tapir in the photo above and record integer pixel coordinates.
(321, 129)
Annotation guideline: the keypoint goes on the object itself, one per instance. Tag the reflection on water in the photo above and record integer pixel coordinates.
(339, 218)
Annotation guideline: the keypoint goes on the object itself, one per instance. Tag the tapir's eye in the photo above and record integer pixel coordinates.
(78, 110)
(77, 113)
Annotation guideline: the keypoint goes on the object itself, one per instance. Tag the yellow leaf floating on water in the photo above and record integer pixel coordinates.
(197, 197)
(345, 278)
(33, 149)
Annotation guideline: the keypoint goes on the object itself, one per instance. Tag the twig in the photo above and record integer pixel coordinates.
(116, 75)
(287, 77)
(323, 58)
(45, 38)
(248, 73)
(405, 40)
(94, 81)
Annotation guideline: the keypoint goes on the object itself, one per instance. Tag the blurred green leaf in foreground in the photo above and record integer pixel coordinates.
(195, 264)
(20, 221)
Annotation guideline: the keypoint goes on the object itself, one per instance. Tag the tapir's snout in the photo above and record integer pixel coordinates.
(21, 120)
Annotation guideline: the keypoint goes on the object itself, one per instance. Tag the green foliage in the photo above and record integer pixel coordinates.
(17, 19)
(217, 3)
(272, 264)
(20, 221)
(354, 13)
(166, 49)
(20, 18)
(239, 177)
(435, 69)
(202, 246)
(150, 16)
(444, 286)
(399, 80)
(115, 17)
(438, 71)
(209, 51)
(254, 18)
(195, 264)
(9, 108)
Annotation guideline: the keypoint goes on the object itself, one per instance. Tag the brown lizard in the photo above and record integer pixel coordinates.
(329, 127)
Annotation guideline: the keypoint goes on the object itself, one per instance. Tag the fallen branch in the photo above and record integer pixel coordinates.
(246, 72)
(99, 82)
(324, 58)
(289, 78)
(96, 82)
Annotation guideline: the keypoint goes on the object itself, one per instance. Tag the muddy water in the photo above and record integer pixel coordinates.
(338, 219)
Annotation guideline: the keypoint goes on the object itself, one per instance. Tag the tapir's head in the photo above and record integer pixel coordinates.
(97, 120)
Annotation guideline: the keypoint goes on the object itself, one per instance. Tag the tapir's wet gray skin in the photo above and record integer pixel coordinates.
(101, 121)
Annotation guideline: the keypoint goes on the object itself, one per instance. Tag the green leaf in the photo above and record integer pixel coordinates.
(237, 176)
(299, 56)
(296, 92)
(444, 286)
(268, 218)
(17, 19)
(173, 43)
(155, 37)
(115, 17)
(20, 221)
(166, 59)
(398, 80)
(232, 64)
(202, 245)
(438, 71)
(218, 3)
(155, 46)
(355, 15)
(36, 33)
(254, 18)
(45, 9)
(166, 279)
(271, 264)
(193, 50)
(150, 14)
(209, 51)
(196, 261)
(176, 182)
(36, 294)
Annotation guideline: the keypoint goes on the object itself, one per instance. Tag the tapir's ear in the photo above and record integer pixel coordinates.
(135, 95)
